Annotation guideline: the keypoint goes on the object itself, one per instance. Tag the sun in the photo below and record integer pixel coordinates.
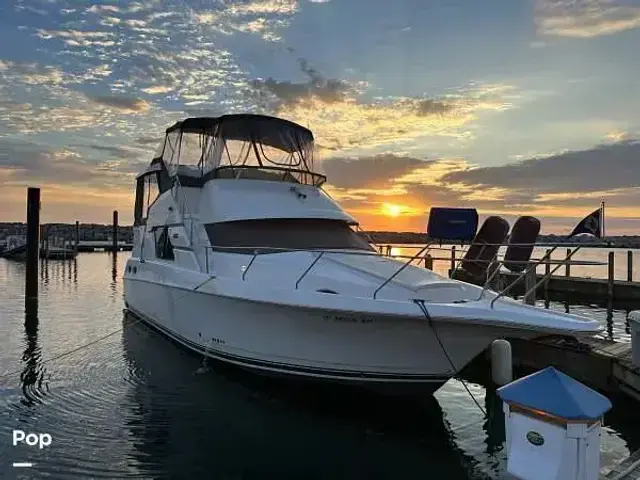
(392, 209)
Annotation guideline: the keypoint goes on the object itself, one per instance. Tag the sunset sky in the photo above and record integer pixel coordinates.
(511, 106)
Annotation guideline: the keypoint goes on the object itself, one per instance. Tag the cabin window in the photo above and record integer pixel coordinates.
(244, 236)
(147, 192)
(164, 248)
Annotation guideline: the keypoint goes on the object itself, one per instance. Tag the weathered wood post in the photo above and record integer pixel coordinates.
(33, 242)
(529, 282)
(547, 268)
(115, 231)
(630, 265)
(428, 262)
(611, 274)
(77, 235)
(567, 271)
(453, 258)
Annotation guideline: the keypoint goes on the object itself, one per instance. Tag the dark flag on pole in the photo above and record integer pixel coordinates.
(591, 224)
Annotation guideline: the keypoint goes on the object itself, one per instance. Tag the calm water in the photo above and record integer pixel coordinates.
(136, 405)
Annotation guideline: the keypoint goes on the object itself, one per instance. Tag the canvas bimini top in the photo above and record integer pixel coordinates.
(239, 146)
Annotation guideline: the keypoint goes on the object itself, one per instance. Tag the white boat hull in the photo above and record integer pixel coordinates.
(313, 344)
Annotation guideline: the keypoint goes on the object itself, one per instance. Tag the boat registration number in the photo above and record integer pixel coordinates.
(347, 319)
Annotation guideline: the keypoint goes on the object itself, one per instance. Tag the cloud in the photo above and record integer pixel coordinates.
(80, 38)
(148, 140)
(557, 186)
(340, 116)
(318, 87)
(103, 8)
(123, 104)
(433, 107)
(602, 168)
(23, 162)
(32, 73)
(585, 18)
(111, 150)
(262, 17)
(369, 172)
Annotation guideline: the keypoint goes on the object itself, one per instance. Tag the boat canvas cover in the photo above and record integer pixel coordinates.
(274, 132)
(237, 140)
(453, 224)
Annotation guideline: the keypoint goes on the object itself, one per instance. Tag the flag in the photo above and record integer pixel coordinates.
(591, 224)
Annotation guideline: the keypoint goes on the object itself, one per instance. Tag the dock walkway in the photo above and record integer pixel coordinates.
(603, 364)
(591, 287)
(628, 469)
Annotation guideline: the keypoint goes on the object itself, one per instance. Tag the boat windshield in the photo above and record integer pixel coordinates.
(278, 234)
(240, 146)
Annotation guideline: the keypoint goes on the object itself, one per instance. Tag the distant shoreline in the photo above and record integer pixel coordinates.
(94, 231)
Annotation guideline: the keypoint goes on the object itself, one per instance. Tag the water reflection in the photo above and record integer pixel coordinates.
(609, 319)
(32, 376)
(228, 424)
(114, 273)
(494, 425)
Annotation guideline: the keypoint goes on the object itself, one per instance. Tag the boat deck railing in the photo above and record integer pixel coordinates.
(493, 265)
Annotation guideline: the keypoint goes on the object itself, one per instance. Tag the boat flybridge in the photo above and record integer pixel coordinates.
(240, 254)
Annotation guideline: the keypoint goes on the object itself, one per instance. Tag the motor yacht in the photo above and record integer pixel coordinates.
(241, 255)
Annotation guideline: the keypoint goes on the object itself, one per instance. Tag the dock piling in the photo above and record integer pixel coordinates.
(453, 258)
(33, 242)
(634, 324)
(567, 271)
(530, 279)
(629, 265)
(547, 268)
(115, 231)
(77, 235)
(611, 276)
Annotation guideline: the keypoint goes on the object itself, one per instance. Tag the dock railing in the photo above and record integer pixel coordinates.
(494, 265)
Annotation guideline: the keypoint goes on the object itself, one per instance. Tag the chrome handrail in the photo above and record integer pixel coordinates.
(495, 264)
(184, 210)
(256, 252)
(425, 249)
(547, 275)
(308, 269)
(533, 267)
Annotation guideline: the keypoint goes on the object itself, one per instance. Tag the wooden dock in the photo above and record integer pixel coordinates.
(602, 364)
(58, 253)
(620, 290)
(106, 245)
(628, 469)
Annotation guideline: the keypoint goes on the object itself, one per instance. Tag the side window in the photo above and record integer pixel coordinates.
(164, 249)
(146, 193)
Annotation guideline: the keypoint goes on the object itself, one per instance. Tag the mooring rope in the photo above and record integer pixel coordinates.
(425, 312)
(77, 349)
